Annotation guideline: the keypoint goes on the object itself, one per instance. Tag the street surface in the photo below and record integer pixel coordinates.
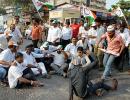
(57, 88)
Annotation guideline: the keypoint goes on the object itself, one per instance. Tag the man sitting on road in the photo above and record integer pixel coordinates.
(59, 64)
(6, 58)
(29, 59)
(20, 75)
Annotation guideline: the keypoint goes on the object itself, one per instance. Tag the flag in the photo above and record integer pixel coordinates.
(38, 4)
(87, 12)
(118, 12)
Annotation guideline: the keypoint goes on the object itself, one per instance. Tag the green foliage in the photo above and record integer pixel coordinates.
(2, 11)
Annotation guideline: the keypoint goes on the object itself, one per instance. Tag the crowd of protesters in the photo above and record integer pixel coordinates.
(68, 50)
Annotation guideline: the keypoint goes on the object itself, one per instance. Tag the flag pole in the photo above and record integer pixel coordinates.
(39, 15)
(126, 21)
(124, 17)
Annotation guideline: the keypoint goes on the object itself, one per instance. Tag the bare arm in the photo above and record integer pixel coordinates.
(65, 54)
(5, 63)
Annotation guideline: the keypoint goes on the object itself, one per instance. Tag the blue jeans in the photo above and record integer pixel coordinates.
(2, 73)
(107, 62)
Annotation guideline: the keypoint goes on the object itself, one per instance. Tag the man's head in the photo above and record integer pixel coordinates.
(82, 22)
(8, 36)
(94, 25)
(16, 19)
(67, 24)
(12, 46)
(59, 49)
(55, 23)
(46, 45)
(36, 21)
(74, 41)
(75, 21)
(29, 48)
(12, 27)
(98, 21)
(111, 31)
(80, 51)
(19, 57)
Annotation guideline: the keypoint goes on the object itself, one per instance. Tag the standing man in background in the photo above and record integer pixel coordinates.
(36, 33)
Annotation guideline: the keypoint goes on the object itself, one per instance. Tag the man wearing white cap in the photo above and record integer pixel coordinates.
(92, 35)
(59, 64)
(6, 58)
(83, 42)
(114, 49)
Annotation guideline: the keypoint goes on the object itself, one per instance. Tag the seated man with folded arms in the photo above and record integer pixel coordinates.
(20, 75)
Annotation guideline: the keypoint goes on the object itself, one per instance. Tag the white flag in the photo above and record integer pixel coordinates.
(118, 12)
(38, 4)
(87, 12)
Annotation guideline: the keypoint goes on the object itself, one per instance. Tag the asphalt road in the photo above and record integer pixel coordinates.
(57, 88)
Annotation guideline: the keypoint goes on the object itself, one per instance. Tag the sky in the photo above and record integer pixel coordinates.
(110, 2)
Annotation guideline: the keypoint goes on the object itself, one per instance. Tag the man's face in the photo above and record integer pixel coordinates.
(81, 23)
(12, 27)
(20, 59)
(28, 50)
(111, 34)
(34, 22)
(59, 51)
(74, 41)
(79, 53)
(55, 25)
(97, 23)
(14, 49)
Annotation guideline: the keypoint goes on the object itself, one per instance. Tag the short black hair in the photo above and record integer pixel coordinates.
(68, 23)
(98, 19)
(29, 46)
(37, 20)
(18, 54)
(80, 49)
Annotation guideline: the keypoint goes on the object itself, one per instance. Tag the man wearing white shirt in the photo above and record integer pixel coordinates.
(71, 49)
(92, 35)
(54, 34)
(66, 34)
(6, 58)
(83, 42)
(29, 59)
(20, 75)
(15, 33)
(81, 28)
(59, 64)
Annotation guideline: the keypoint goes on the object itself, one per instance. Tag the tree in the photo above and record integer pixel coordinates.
(2, 11)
